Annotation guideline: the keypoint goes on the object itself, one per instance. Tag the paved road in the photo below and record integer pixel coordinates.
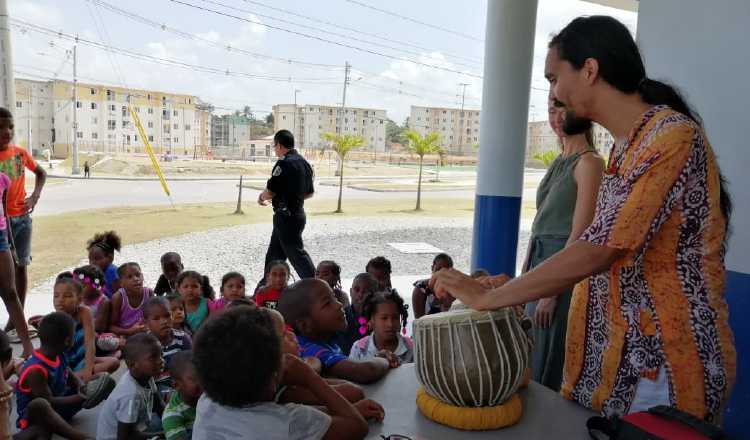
(75, 195)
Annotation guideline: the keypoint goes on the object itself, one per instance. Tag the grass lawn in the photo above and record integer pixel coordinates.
(60, 240)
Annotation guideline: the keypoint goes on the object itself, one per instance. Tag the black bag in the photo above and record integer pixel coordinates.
(658, 423)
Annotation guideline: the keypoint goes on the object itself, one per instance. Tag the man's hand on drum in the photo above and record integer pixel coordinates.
(491, 282)
(472, 292)
(393, 361)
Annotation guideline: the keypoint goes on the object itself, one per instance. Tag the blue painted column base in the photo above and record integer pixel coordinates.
(495, 239)
(736, 420)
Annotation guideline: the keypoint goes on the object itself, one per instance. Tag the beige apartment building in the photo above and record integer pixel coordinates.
(541, 138)
(43, 114)
(309, 122)
(458, 129)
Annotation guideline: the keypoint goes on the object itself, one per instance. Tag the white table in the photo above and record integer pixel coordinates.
(546, 414)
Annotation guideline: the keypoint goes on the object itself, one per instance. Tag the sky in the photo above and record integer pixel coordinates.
(236, 53)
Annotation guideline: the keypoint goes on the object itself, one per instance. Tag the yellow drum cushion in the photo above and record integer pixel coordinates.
(473, 419)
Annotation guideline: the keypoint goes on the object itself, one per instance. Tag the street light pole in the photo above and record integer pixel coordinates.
(75, 170)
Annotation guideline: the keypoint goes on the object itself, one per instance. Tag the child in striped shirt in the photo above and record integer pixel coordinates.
(179, 415)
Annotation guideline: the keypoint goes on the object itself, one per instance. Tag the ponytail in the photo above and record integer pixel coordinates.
(658, 93)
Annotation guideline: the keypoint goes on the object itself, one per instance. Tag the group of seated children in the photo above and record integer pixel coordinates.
(286, 360)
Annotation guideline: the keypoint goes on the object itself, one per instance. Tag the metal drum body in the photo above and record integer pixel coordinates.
(469, 358)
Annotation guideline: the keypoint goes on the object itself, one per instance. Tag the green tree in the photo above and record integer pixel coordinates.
(421, 145)
(394, 133)
(342, 145)
(269, 120)
(547, 157)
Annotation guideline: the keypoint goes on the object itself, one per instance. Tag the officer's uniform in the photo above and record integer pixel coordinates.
(291, 180)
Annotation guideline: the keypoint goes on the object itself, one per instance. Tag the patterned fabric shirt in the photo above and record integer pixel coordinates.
(178, 419)
(661, 303)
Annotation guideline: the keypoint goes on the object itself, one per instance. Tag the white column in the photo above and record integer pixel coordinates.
(508, 56)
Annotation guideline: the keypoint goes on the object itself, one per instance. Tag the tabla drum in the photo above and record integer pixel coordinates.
(467, 358)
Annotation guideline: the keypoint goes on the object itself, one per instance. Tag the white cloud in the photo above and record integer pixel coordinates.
(33, 11)
(432, 86)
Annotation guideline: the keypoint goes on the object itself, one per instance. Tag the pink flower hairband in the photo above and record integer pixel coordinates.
(363, 326)
(94, 284)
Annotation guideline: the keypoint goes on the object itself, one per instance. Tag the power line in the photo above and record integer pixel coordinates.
(149, 22)
(165, 61)
(324, 31)
(350, 29)
(325, 40)
(403, 17)
(110, 56)
(187, 35)
(401, 84)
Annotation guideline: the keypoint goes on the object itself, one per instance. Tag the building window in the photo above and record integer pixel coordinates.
(176, 140)
(174, 112)
(187, 126)
(79, 134)
(125, 124)
(150, 111)
(283, 117)
(163, 100)
(94, 120)
(137, 109)
(93, 91)
(94, 135)
(112, 108)
(176, 126)
(78, 104)
(150, 138)
(110, 95)
(150, 124)
(93, 106)
(111, 124)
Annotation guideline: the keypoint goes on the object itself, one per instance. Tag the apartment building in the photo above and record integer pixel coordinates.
(309, 122)
(44, 115)
(458, 129)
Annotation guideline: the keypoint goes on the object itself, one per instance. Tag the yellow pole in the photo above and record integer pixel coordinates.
(150, 151)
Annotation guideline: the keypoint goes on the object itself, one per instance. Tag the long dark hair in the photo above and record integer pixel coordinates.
(610, 43)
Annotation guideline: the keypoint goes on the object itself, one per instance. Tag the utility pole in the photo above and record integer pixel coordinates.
(463, 100)
(75, 170)
(294, 130)
(6, 55)
(347, 69)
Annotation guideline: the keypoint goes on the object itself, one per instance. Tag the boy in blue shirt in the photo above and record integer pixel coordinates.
(48, 394)
(311, 309)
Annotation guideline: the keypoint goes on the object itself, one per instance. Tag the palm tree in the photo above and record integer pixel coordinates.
(342, 144)
(421, 145)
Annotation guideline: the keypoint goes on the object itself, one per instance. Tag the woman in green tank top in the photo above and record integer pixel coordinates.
(565, 203)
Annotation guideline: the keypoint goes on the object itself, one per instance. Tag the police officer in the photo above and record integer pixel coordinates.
(290, 184)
